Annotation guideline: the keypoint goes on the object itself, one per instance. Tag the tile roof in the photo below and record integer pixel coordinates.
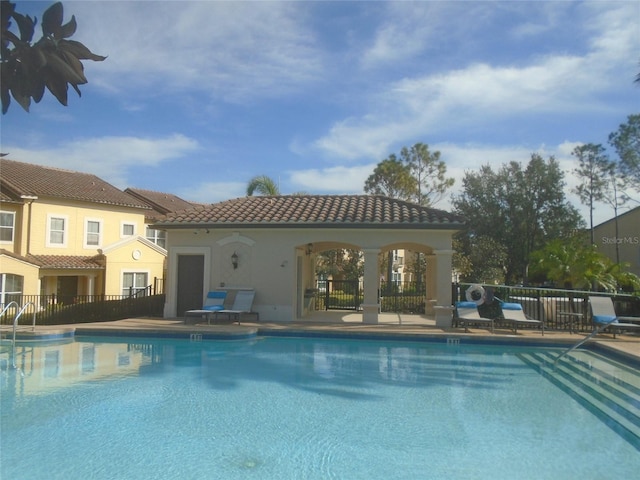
(18, 179)
(328, 211)
(95, 262)
(161, 203)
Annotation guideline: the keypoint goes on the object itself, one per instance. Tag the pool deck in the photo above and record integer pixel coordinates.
(349, 324)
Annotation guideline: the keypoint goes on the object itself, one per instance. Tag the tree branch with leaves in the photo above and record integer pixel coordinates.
(54, 62)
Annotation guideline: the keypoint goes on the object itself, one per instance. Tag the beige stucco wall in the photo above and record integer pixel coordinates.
(133, 255)
(77, 214)
(32, 224)
(274, 262)
(627, 239)
(29, 272)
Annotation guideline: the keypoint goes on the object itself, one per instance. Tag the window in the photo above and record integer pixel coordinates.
(159, 237)
(92, 233)
(134, 283)
(128, 229)
(57, 234)
(7, 226)
(10, 287)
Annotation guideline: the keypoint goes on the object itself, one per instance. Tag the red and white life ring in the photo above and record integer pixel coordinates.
(476, 294)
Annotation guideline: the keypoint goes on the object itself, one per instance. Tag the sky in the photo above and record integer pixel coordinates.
(196, 98)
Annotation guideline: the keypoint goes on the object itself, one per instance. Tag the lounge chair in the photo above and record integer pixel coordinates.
(514, 314)
(242, 304)
(213, 303)
(467, 313)
(604, 316)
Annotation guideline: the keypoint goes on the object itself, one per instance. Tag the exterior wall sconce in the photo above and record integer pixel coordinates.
(309, 249)
(234, 260)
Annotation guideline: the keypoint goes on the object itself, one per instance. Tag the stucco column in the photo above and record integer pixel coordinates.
(443, 309)
(370, 305)
(430, 284)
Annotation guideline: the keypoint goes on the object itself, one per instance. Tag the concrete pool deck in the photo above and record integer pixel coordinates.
(346, 324)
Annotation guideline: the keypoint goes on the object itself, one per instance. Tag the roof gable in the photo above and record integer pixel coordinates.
(26, 179)
(160, 202)
(329, 211)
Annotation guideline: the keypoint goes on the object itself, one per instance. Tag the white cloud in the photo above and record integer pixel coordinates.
(332, 180)
(212, 192)
(230, 50)
(110, 158)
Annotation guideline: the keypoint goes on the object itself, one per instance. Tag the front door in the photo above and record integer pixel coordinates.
(190, 294)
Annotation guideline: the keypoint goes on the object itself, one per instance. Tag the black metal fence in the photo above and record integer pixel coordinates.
(402, 297)
(559, 309)
(54, 310)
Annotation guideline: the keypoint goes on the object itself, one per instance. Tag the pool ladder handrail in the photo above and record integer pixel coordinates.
(596, 331)
(15, 326)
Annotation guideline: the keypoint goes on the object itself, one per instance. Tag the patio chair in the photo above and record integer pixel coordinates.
(467, 313)
(242, 304)
(514, 314)
(604, 316)
(213, 303)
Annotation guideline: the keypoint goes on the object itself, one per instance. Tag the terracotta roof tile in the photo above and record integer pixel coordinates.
(95, 262)
(352, 211)
(161, 203)
(18, 178)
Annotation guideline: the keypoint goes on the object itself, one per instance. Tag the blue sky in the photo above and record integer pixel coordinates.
(195, 98)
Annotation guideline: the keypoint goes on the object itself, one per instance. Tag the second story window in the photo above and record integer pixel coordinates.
(57, 234)
(128, 229)
(92, 238)
(7, 226)
(159, 237)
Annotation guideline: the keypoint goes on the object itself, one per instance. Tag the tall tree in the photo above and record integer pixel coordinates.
(595, 171)
(626, 142)
(391, 178)
(517, 208)
(429, 172)
(53, 61)
(263, 185)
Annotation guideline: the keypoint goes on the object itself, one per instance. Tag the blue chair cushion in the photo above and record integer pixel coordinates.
(213, 308)
(466, 304)
(604, 319)
(511, 306)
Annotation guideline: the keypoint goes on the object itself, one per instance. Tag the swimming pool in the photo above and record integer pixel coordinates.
(312, 408)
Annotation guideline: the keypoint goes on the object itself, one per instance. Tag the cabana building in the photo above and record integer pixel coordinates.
(269, 244)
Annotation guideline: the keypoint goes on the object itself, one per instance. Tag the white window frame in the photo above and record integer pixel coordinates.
(12, 227)
(124, 224)
(65, 230)
(155, 237)
(134, 272)
(85, 238)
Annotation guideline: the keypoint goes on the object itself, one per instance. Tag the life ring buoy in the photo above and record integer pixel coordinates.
(476, 294)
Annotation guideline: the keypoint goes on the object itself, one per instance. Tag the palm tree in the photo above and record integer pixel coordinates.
(263, 185)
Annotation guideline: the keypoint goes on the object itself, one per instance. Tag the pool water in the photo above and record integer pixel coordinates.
(307, 408)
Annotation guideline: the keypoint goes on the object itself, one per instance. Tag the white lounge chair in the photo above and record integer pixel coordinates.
(513, 313)
(213, 303)
(467, 313)
(242, 304)
(604, 316)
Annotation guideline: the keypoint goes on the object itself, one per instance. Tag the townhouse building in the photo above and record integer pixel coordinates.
(66, 234)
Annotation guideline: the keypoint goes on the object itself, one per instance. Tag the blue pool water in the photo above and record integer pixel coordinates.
(302, 408)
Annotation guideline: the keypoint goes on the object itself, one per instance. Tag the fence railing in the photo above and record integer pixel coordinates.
(59, 310)
(559, 309)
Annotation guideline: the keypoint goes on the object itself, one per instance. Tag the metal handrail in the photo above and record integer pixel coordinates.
(6, 307)
(15, 326)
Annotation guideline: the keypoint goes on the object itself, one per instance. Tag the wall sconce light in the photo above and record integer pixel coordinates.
(234, 260)
(309, 249)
